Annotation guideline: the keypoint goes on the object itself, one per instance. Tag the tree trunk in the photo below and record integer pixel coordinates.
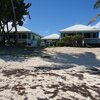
(8, 35)
(3, 37)
(14, 23)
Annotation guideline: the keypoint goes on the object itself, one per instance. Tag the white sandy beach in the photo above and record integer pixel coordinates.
(59, 74)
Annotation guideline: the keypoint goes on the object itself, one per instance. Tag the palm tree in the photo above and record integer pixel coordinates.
(14, 15)
(14, 22)
(96, 6)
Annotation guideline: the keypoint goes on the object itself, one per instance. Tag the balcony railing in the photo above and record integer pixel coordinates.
(92, 40)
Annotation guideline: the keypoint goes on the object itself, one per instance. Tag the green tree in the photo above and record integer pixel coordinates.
(12, 11)
(96, 6)
(72, 40)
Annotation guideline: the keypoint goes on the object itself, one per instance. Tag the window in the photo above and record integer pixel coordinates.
(11, 36)
(87, 35)
(29, 36)
(33, 37)
(71, 34)
(95, 35)
(79, 33)
(63, 35)
(24, 36)
(19, 36)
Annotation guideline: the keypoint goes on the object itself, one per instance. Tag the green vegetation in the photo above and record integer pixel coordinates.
(96, 6)
(38, 41)
(60, 43)
(73, 40)
(12, 11)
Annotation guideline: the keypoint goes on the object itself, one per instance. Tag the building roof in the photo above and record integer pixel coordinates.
(80, 28)
(51, 37)
(96, 25)
(21, 29)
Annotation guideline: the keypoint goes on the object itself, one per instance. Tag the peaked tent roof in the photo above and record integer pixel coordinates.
(79, 28)
(51, 37)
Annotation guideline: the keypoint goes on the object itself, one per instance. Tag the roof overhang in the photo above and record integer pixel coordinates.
(79, 31)
(51, 37)
(79, 28)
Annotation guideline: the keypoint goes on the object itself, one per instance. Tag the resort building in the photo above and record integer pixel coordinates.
(51, 39)
(90, 34)
(25, 36)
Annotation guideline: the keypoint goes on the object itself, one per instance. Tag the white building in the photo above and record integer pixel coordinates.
(25, 36)
(51, 39)
(89, 33)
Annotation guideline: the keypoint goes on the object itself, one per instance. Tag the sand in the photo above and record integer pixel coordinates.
(59, 74)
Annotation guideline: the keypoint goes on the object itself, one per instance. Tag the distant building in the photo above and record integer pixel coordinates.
(51, 39)
(90, 34)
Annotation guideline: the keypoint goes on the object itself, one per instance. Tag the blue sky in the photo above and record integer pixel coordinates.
(50, 16)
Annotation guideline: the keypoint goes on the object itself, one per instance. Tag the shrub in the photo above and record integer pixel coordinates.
(38, 42)
(60, 43)
(73, 40)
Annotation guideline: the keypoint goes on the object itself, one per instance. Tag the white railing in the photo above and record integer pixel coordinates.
(24, 40)
(92, 40)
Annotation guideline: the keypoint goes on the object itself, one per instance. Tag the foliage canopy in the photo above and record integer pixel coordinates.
(12, 11)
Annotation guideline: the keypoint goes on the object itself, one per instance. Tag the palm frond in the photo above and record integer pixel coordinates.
(97, 4)
(93, 19)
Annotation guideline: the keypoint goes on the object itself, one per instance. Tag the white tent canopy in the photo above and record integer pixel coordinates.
(51, 37)
(80, 28)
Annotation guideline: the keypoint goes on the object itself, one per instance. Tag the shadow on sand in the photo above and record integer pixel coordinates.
(66, 61)
(59, 60)
(20, 54)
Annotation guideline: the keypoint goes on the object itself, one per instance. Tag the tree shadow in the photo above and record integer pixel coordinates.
(53, 67)
(58, 60)
(87, 59)
(20, 54)
(66, 61)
